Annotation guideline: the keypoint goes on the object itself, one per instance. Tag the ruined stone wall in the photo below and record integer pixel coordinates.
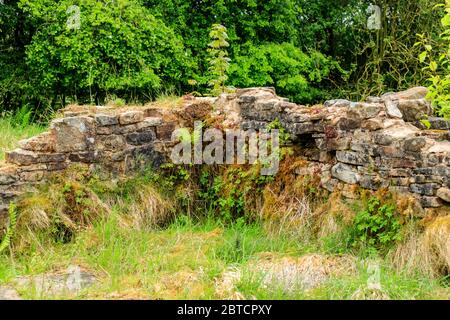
(116, 139)
(379, 143)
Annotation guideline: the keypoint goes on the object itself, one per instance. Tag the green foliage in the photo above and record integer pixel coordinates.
(229, 196)
(119, 48)
(11, 227)
(375, 228)
(295, 74)
(437, 59)
(218, 61)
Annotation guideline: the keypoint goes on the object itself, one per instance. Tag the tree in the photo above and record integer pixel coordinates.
(118, 48)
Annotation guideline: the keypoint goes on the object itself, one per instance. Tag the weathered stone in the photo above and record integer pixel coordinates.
(164, 132)
(372, 124)
(342, 143)
(370, 182)
(439, 123)
(151, 122)
(414, 110)
(392, 109)
(32, 176)
(24, 157)
(338, 103)
(57, 166)
(352, 157)
(399, 190)
(139, 138)
(131, 117)
(440, 147)
(84, 157)
(73, 134)
(45, 142)
(111, 143)
(410, 94)
(351, 121)
(427, 189)
(106, 119)
(368, 110)
(414, 144)
(430, 202)
(444, 194)
(8, 175)
(345, 173)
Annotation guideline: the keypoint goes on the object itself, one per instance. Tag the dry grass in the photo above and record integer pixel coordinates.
(426, 251)
(148, 208)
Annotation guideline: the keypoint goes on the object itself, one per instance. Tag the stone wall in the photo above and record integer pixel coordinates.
(379, 143)
(116, 139)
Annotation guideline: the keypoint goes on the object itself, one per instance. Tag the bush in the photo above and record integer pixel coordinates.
(117, 48)
(376, 228)
(297, 75)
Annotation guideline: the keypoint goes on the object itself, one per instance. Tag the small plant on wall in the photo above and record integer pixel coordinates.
(219, 61)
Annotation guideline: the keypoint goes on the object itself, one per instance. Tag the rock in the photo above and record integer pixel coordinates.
(131, 117)
(430, 202)
(164, 132)
(152, 122)
(372, 124)
(352, 157)
(414, 144)
(440, 147)
(392, 109)
(111, 143)
(345, 173)
(45, 142)
(444, 194)
(351, 122)
(368, 110)
(427, 189)
(106, 120)
(24, 157)
(84, 157)
(439, 123)
(410, 94)
(8, 175)
(73, 134)
(139, 138)
(338, 103)
(413, 110)
(31, 176)
(7, 293)
(72, 281)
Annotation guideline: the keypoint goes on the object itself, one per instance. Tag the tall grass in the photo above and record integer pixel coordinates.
(15, 127)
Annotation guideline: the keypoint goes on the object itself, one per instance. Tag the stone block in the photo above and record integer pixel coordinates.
(345, 173)
(106, 120)
(24, 157)
(426, 189)
(44, 142)
(131, 117)
(73, 134)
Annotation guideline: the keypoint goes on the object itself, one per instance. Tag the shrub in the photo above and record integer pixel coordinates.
(437, 58)
(297, 75)
(117, 48)
(376, 228)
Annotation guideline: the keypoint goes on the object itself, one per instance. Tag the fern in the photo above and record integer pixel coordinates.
(11, 227)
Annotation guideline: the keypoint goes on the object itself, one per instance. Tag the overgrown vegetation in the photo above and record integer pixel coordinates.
(55, 53)
(183, 232)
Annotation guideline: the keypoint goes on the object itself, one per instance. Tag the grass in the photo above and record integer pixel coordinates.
(187, 260)
(11, 134)
(134, 236)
